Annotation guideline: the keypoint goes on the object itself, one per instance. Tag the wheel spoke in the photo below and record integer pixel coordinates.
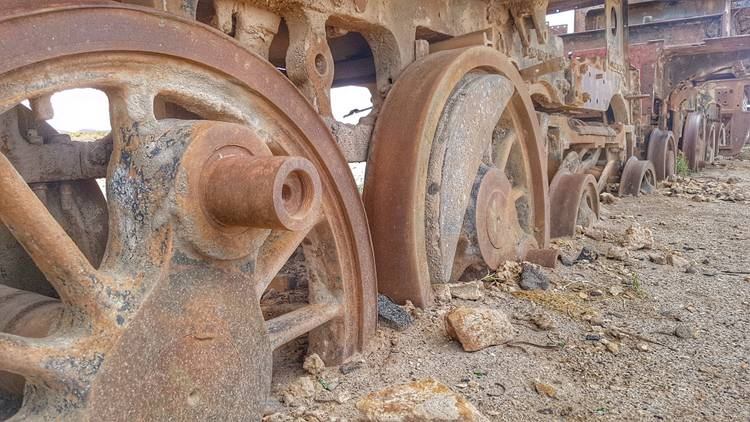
(25, 356)
(276, 251)
(52, 250)
(298, 322)
(503, 147)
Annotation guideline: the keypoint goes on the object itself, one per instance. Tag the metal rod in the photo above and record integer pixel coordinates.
(52, 250)
(296, 323)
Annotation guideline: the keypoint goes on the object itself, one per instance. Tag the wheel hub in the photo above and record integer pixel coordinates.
(495, 216)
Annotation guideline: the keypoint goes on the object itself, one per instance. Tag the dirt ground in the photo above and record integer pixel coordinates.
(614, 323)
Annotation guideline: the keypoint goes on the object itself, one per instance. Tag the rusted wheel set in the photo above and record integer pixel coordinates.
(224, 183)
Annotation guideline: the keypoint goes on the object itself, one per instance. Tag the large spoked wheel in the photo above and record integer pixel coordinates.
(694, 140)
(203, 214)
(456, 180)
(662, 152)
(575, 200)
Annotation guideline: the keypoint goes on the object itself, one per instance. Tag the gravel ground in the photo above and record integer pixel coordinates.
(646, 373)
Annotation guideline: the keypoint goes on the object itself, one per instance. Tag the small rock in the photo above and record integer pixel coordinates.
(299, 392)
(592, 233)
(709, 272)
(618, 254)
(478, 328)
(643, 347)
(613, 347)
(685, 331)
(415, 312)
(583, 295)
(678, 262)
(442, 292)
(699, 198)
(422, 400)
(616, 290)
(468, 291)
(351, 366)
(607, 198)
(593, 337)
(732, 180)
(657, 258)
(542, 322)
(691, 269)
(587, 254)
(566, 260)
(637, 237)
(392, 315)
(313, 364)
(339, 396)
(533, 278)
(596, 292)
(545, 390)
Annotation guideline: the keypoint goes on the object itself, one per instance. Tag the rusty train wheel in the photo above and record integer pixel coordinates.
(457, 174)
(694, 140)
(202, 215)
(575, 200)
(638, 177)
(662, 152)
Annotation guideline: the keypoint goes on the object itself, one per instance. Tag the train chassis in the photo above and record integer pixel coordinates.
(223, 177)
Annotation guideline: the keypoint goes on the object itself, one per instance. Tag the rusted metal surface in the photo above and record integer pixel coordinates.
(638, 177)
(396, 187)
(662, 152)
(575, 199)
(170, 324)
(694, 140)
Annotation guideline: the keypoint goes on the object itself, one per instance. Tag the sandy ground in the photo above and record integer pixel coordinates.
(649, 373)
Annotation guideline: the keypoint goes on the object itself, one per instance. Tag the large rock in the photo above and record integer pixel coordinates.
(637, 237)
(425, 400)
(478, 328)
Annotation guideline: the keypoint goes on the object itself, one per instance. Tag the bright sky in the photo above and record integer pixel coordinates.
(564, 18)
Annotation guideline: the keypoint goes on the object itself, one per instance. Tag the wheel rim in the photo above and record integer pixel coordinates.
(638, 177)
(247, 90)
(662, 152)
(694, 140)
(575, 201)
(409, 139)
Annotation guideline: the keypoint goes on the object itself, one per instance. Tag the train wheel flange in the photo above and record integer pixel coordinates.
(447, 116)
(574, 201)
(694, 140)
(170, 324)
(662, 152)
(638, 177)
